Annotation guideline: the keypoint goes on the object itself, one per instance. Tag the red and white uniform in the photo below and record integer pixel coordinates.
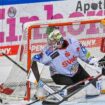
(63, 61)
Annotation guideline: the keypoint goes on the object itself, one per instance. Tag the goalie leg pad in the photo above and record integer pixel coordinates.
(92, 91)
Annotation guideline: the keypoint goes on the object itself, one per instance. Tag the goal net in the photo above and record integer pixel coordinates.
(88, 30)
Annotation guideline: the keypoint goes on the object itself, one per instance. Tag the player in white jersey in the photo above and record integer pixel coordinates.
(61, 55)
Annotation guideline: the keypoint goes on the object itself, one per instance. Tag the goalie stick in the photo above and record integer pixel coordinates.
(71, 94)
(48, 95)
(14, 62)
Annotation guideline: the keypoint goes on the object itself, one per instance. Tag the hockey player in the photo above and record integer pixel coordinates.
(61, 55)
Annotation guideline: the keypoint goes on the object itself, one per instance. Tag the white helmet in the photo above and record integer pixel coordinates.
(55, 38)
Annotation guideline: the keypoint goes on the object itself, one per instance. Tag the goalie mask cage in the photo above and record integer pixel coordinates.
(34, 39)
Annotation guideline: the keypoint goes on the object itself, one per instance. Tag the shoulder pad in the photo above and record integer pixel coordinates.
(37, 57)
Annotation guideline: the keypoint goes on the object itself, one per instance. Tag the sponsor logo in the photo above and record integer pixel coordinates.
(12, 12)
(67, 54)
(93, 5)
(10, 50)
(91, 42)
(69, 61)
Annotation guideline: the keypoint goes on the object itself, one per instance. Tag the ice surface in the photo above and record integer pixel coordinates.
(99, 100)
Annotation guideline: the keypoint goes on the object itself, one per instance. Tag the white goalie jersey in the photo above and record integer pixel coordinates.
(63, 61)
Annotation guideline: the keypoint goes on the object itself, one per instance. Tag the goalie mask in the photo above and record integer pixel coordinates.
(55, 39)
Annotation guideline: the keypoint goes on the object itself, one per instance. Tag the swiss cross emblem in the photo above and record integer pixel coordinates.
(67, 54)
